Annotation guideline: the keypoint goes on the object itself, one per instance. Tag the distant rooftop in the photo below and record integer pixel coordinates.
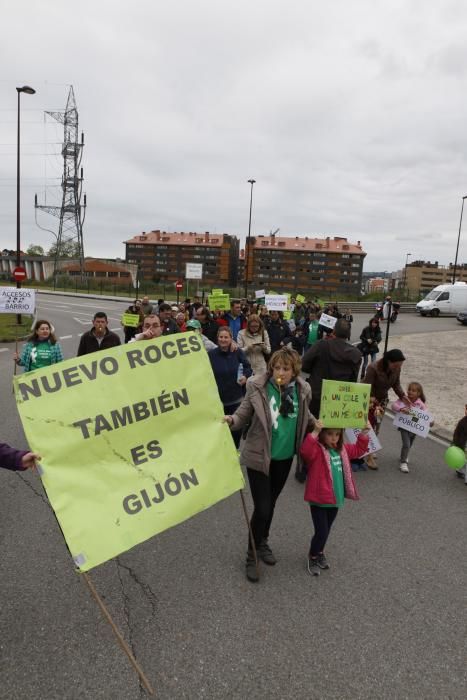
(178, 238)
(337, 244)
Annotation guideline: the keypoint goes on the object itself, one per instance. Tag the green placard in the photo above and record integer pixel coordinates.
(300, 298)
(217, 292)
(131, 320)
(130, 440)
(219, 301)
(344, 404)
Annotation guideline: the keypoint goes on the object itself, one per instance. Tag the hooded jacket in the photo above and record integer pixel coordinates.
(335, 359)
(319, 486)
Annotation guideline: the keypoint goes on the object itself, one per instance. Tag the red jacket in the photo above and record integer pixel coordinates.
(318, 487)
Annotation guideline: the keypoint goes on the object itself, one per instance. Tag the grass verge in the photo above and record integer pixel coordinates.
(10, 331)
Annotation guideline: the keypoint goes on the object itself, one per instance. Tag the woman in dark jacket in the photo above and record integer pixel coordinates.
(231, 370)
(370, 337)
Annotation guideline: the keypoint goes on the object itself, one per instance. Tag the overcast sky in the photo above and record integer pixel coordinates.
(351, 117)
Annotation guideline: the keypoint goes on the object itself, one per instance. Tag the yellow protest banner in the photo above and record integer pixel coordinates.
(300, 298)
(344, 404)
(131, 320)
(217, 292)
(132, 442)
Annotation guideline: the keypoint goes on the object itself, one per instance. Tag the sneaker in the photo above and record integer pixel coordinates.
(404, 467)
(322, 561)
(371, 461)
(313, 567)
(251, 569)
(265, 553)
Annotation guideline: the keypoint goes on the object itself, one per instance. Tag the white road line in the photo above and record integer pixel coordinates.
(83, 323)
(65, 337)
(4, 349)
(114, 330)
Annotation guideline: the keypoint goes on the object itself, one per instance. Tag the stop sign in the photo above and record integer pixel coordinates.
(178, 285)
(19, 273)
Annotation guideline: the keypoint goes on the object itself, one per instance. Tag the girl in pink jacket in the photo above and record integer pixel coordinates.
(329, 480)
(417, 399)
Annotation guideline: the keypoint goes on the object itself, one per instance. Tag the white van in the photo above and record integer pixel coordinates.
(445, 299)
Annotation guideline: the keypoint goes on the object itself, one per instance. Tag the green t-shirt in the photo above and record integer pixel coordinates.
(312, 332)
(41, 355)
(284, 428)
(337, 481)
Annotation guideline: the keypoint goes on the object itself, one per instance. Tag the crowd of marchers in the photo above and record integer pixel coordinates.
(269, 373)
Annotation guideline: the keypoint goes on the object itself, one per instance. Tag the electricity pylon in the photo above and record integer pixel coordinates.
(71, 213)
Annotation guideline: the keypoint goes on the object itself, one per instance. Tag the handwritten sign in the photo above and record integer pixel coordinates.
(276, 302)
(344, 404)
(131, 320)
(300, 298)
(327, 321)
(260, 294)
(374, 445)
(17, 301)
(417, 421)
(219, 301)
(217, 292)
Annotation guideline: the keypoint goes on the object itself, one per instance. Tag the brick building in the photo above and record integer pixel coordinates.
(162, 256)
(320, 266)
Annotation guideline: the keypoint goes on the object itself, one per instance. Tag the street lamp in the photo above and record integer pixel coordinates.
(458, 239)
(29, 91)
(247, 247)
(405, 275)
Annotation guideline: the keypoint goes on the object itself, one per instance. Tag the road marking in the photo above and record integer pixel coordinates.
(114, 330)
(4, 349)
(65, 337)
(83, 323)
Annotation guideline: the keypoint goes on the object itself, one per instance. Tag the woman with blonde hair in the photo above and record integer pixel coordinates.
(276, 409)
(254, 341)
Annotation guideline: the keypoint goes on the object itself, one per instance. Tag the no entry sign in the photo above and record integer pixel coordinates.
(19, 273)
(178, 286)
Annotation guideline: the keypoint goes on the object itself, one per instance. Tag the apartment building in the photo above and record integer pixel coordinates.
(318, 266)
(421, 276)
(162, 256)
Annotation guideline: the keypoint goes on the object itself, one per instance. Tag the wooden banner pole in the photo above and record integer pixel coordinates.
(250, 532)
(118, 634)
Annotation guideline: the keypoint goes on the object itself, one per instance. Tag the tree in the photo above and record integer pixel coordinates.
(68, 249)
(35, 250)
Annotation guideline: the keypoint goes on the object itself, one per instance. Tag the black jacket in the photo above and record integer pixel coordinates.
(88, 342)
(335, 358)
(279, 332)
(370, 333)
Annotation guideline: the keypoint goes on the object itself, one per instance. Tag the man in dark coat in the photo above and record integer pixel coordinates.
(99, 337)
(334, 358)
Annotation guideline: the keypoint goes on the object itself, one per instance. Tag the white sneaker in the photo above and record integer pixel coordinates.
(404, 467)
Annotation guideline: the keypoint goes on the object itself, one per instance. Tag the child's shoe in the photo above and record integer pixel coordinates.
(404, 467)
(322, 561)
(252, 571)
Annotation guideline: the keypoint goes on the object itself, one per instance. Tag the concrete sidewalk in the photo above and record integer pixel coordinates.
(437, 360)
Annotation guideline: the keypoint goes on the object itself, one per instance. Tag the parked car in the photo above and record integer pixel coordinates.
(462, 317)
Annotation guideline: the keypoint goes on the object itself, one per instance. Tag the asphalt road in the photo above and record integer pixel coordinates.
(387, 621)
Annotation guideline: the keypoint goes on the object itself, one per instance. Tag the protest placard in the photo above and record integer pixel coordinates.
(217, 292)
(327, 321)
(344, 404)
(131, 320)
(374, 444)
(300, 298)
(132, 442)
(17, 301)
(416, 421)
(260, 294)
(276, 302)
(219, 301)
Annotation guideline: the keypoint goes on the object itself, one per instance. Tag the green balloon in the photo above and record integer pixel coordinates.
(454, 457)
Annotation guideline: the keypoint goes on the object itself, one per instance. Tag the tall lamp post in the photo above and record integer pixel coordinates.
(406, 293)
(247, 247)
(458, 239)
(29, 91)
